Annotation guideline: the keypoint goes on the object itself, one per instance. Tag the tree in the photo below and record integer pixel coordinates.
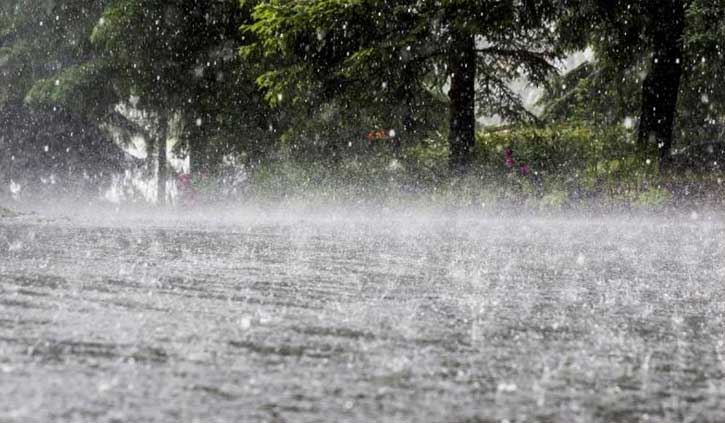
(147, 47)
(178, 59)
(673, 43)
(392, 52)
(701, 108)
(660, 87)
(593, 93)
(43, 48)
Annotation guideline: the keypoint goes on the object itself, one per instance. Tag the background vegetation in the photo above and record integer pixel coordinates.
(368, 98)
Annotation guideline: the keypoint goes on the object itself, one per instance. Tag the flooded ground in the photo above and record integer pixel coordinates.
(352, 317)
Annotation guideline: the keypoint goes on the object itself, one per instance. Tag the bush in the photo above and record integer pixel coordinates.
(580, 160)
(551, 167)
(653, 198)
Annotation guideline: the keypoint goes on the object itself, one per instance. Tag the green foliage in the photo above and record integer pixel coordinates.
(557, 149)
(702, 106)
(653, 198)
(53, 98)
(621, 34)
(390, 60)
(336, 69)
(180, 58)
(428, 158)
(83, 89)
(569, 165)
(39, 39)
(581, 160)
(592, 93)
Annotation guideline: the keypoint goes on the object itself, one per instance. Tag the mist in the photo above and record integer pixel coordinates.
(409, 211)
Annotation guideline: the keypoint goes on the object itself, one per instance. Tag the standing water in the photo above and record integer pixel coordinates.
(337, 315)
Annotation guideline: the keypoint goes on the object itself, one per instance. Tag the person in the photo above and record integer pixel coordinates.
(188, 195)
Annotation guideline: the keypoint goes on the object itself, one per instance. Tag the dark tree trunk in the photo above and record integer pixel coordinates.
(662, 84)
(461, 139)
(406, 134)
(161, 181)
(198, 155)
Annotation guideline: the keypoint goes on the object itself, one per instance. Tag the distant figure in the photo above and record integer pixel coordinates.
(188, 195)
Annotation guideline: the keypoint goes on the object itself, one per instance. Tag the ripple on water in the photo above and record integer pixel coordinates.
(477, 320)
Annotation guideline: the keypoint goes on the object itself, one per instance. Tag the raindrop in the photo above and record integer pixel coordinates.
(245, 322)
(506, 387)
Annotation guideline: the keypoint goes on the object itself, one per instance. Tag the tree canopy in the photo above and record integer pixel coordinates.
(239, 80)
(44, 47)
(377, 52)
(661, 62)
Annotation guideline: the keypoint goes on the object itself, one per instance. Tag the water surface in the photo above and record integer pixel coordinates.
(348, 315)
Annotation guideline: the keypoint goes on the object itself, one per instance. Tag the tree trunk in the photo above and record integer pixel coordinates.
(198, 160)
(662, 84)
(461, 139)
(406, 134)
(161, 181)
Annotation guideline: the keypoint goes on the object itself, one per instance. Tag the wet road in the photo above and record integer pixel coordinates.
(306, 317)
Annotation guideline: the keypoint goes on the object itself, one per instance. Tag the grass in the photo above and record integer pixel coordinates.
(556, 167)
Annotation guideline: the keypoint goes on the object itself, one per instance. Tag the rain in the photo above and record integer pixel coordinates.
(344, 211)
